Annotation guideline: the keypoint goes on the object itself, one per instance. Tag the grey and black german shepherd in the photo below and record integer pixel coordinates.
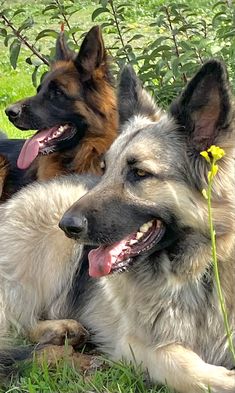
(150, 294)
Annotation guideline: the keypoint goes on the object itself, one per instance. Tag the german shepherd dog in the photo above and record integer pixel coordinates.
(150, 295)
(75, 112)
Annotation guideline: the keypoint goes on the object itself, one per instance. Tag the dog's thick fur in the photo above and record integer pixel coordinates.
(164, 310)
(79, 91)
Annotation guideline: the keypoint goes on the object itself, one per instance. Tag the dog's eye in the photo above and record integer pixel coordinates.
(58, 92)
(140, 174)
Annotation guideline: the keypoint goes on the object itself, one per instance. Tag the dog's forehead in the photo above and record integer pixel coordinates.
(63, 74)
(142, 138)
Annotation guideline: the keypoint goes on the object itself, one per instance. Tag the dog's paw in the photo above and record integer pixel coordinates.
(223, 381)
(56, 332)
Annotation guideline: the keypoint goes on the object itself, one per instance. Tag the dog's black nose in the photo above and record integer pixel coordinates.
(73, 226)
(13, 111)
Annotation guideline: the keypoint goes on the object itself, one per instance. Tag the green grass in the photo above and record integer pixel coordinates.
(15, 85)
(116, 378)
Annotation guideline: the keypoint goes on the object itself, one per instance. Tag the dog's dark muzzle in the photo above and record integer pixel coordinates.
(14, 111)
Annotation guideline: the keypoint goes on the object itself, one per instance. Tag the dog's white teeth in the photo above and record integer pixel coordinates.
(145, 227)
(132, 242)
(139, 235)
(56, 133)
(62, 128)
(158, 224)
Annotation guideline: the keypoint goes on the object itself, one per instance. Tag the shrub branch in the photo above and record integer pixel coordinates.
(24, 40)
(118, 29)
(66, 20)
(174, 41)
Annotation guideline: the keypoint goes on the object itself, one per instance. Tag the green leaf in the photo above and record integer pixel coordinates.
(7, 39)
(36, 61)
(49, 7)
(124, 5)
(34, 76)
(29, 22)
(229, 34)
(175, 66)
(185, 45)
(28, 60)
(3, 32)
(218, 4)
(14, 52)
(216, 18)
(74, 30)
(136, 37)
(47, 33)
(97, 12)
(17, 12)
(161, 48)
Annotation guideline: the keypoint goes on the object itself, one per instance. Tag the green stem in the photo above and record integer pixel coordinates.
(216, 269)
(119, 29)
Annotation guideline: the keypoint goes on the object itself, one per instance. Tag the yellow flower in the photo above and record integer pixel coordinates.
(214, 169)
(216, 152)
(205, 155)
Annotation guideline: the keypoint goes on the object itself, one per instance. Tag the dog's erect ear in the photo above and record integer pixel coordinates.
(132, 98)
(62, 51)
(204, 108)
(92, 53)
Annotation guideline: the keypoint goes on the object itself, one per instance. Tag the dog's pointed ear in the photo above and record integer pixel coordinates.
(92, 53)
(133, 99)
(204, 107)
(62, 51)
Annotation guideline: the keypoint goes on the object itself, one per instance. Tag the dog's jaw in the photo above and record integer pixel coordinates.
(44, 142)
(120, 255)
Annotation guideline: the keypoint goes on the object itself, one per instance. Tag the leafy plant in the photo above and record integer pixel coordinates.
(166, 42)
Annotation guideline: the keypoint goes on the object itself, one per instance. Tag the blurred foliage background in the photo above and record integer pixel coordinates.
(165, 41)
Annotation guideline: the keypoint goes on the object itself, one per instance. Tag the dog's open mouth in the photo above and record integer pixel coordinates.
(44, 142)
(120, 255)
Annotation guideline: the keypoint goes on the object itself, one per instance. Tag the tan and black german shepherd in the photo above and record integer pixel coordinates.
(150, 295)
(75, 112)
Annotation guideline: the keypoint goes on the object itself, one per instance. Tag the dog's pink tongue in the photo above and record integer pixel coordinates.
(102, 258)
(31, 147)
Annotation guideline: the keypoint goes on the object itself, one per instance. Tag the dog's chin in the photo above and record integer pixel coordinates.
(121, 256)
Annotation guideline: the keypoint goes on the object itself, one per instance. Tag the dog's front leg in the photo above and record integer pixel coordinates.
(179, 368)
(56, 332)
